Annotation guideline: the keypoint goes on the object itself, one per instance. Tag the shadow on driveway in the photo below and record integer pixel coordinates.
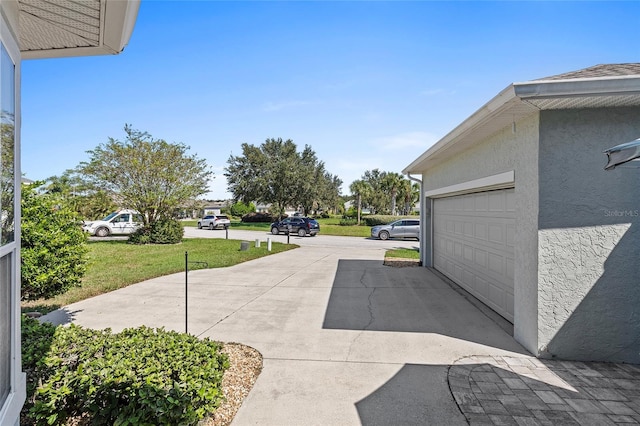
(369, 296)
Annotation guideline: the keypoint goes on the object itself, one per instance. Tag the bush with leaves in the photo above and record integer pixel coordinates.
(54, 247)
(379, 219)
(163, 231)
(36, 341)
(140, 376)
(259, 218)
(239, 209)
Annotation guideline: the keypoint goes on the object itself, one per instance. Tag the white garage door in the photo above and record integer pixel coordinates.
(473, 245)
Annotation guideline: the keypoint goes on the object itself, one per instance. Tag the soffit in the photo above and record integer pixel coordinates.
(47, 24)
(55, 28)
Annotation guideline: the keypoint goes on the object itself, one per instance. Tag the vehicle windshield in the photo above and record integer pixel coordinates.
(111, 216)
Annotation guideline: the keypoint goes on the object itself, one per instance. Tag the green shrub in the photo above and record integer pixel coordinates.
(141, 235)
(36, 341)
(377, 219)
(239, 209)
(259, 217)
(140, 376)
(164, 231)
(352, 212)
(54, 247)
(348, 222)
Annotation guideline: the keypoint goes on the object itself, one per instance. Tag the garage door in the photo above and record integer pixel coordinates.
(473, 245)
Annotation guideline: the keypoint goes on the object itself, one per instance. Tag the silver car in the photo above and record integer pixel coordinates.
(403, 228)
(213, 221)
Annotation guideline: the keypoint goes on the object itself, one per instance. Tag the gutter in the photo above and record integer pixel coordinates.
(603, 86)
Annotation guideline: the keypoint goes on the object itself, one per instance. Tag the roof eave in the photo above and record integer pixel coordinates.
(602, 86)
(115, 32)
(486, 112)
(517, 101)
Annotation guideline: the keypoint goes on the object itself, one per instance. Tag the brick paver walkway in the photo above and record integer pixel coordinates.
(529, 391)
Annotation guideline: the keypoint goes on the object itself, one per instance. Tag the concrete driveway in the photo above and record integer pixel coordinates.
(345, 340)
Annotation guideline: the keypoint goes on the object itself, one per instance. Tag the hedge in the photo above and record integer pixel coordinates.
(141, 376)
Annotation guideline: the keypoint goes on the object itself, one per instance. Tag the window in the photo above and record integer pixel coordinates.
(8, 247)
(5, 326)
(7, 148)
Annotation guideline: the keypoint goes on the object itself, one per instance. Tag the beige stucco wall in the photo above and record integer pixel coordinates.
(589, 237)
(502, 152)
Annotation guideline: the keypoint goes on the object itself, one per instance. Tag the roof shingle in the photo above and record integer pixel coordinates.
(602, 70)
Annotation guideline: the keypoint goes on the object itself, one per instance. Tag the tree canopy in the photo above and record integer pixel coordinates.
(276, 173)
(381, 191)
(150, 175)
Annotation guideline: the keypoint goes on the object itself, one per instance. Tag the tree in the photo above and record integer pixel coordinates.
(149, 175)
(239, 208)
(89, 202)
(276, 173)
(377, 198)
(392, 182)
(54, 249)
(409, 193)
(360, 189)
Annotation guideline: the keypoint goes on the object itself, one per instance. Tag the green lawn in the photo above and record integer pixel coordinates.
(403, 253)
(117, 264)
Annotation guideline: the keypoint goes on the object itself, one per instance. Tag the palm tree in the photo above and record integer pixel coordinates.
(409, 193)
(359, 189)
(392, 183)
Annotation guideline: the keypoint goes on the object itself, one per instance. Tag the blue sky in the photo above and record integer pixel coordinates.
(367, 84)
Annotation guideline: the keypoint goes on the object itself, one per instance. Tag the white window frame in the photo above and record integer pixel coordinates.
(10, 411)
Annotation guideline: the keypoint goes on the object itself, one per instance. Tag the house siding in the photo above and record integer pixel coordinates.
(504, 151)
(589, 237)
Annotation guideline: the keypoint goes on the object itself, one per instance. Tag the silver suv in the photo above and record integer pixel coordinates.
(403, 228)
(214, 221)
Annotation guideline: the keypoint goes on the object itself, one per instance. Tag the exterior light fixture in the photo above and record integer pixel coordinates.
(621, 154)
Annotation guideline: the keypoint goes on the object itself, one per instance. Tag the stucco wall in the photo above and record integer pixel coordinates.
(503, 152)
(589, 241)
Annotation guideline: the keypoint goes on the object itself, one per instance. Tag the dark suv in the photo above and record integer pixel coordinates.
(298, 225)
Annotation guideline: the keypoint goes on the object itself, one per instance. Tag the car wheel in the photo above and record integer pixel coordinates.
(275, 231)
(102, 232)
(211, 226)
(384, 235)
(199, 225)
(302, 232)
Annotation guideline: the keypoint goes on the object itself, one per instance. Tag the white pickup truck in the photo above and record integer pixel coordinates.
(120, 222)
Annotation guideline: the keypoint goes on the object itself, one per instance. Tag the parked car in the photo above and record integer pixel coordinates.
(214, 221)
(403, 228)
(120, 222)
(297, 225)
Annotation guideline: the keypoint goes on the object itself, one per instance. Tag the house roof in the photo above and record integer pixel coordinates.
(607, 85)
(57, 28)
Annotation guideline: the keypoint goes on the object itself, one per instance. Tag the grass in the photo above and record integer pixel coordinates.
(403, 253)
(116, 264)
